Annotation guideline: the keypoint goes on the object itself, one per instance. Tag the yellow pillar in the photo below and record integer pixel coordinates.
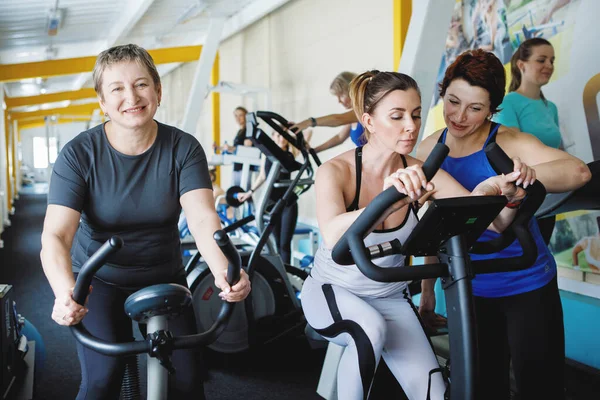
(9, 191)
(13, 138)
(215, 100)
(402, 14)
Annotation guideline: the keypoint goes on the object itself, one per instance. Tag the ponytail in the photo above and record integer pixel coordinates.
(358, 89)
(368, 88)
(515, 80)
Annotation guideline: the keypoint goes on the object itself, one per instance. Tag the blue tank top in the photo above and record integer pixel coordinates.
(356, 135)
(470, 171)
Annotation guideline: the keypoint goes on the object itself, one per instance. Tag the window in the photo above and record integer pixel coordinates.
(40, 151)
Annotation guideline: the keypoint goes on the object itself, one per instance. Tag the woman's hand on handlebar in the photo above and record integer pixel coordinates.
(66, 311)
(235, 293)
(410, 181)
(300, 126)
(243, 196)
(501, 185)
(527, 174)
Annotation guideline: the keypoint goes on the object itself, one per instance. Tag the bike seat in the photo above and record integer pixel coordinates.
(168, 299)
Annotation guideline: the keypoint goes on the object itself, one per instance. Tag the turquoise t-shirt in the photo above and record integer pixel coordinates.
(538, 117)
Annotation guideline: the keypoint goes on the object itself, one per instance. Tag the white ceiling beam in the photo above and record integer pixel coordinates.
(200, 84)
(249, 15)
(234, 24)
(131, 13)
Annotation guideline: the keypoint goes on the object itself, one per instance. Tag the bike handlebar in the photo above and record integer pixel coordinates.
(518, 229)
(350, 249)
(97, 260)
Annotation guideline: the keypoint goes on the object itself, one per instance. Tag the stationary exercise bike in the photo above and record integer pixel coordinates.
(272, 310)
(449, 230)
(154, 306)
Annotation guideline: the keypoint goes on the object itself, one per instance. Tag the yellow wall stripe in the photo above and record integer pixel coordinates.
(86, 93)
(70, 110)
(40, 122)
(68, 66)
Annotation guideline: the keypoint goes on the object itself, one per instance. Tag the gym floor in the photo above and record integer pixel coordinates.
(281, 371)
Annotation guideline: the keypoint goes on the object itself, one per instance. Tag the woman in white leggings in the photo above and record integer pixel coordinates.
(374, 319)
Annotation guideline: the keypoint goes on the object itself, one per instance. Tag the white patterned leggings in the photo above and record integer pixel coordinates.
(371, 328)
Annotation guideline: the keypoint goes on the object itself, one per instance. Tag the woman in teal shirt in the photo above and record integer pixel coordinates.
(526, 108)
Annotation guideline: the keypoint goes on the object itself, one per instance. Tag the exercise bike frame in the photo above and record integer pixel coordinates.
(456, 269)
(159, 343)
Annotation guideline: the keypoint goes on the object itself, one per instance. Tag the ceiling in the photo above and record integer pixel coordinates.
(86, 27)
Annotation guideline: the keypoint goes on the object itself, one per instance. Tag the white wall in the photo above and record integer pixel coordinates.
(296, 52)
(66, 132)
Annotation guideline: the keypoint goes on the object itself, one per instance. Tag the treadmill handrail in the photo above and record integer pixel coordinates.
(97, 260)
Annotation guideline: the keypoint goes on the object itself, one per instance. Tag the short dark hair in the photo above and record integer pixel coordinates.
(479, 68)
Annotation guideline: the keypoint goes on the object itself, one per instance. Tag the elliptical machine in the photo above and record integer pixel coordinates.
(272, 310)
(155, 305)
(449, 230)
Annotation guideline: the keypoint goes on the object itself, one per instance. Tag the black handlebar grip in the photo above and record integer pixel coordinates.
(232, 255)
(435, 160)
(315, 157)
(93, 264)
(518, 229)
(499, 159)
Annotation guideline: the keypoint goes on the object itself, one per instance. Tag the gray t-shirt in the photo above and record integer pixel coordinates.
(135, 197)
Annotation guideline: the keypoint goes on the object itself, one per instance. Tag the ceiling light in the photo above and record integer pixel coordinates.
(55, 20)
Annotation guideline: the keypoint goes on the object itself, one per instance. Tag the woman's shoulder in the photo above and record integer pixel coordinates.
(508, 132)
(427, 144)
(513, 98)
(85, 141)
(340, 164)
(176, 136)
(513, 137)
(164, 129)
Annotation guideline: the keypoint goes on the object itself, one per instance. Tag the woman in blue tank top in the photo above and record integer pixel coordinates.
(351, 127)
(519, 314)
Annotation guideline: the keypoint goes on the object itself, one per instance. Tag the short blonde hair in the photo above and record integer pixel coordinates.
(123, 53)
(341, 83)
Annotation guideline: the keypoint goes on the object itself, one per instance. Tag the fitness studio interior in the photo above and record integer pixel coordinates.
(181, 213)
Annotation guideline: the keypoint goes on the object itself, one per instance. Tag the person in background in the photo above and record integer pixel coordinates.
(351, 127)
(519, 314)
(525, 107)
(286, 224)
(129, 176)
(240, 140)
